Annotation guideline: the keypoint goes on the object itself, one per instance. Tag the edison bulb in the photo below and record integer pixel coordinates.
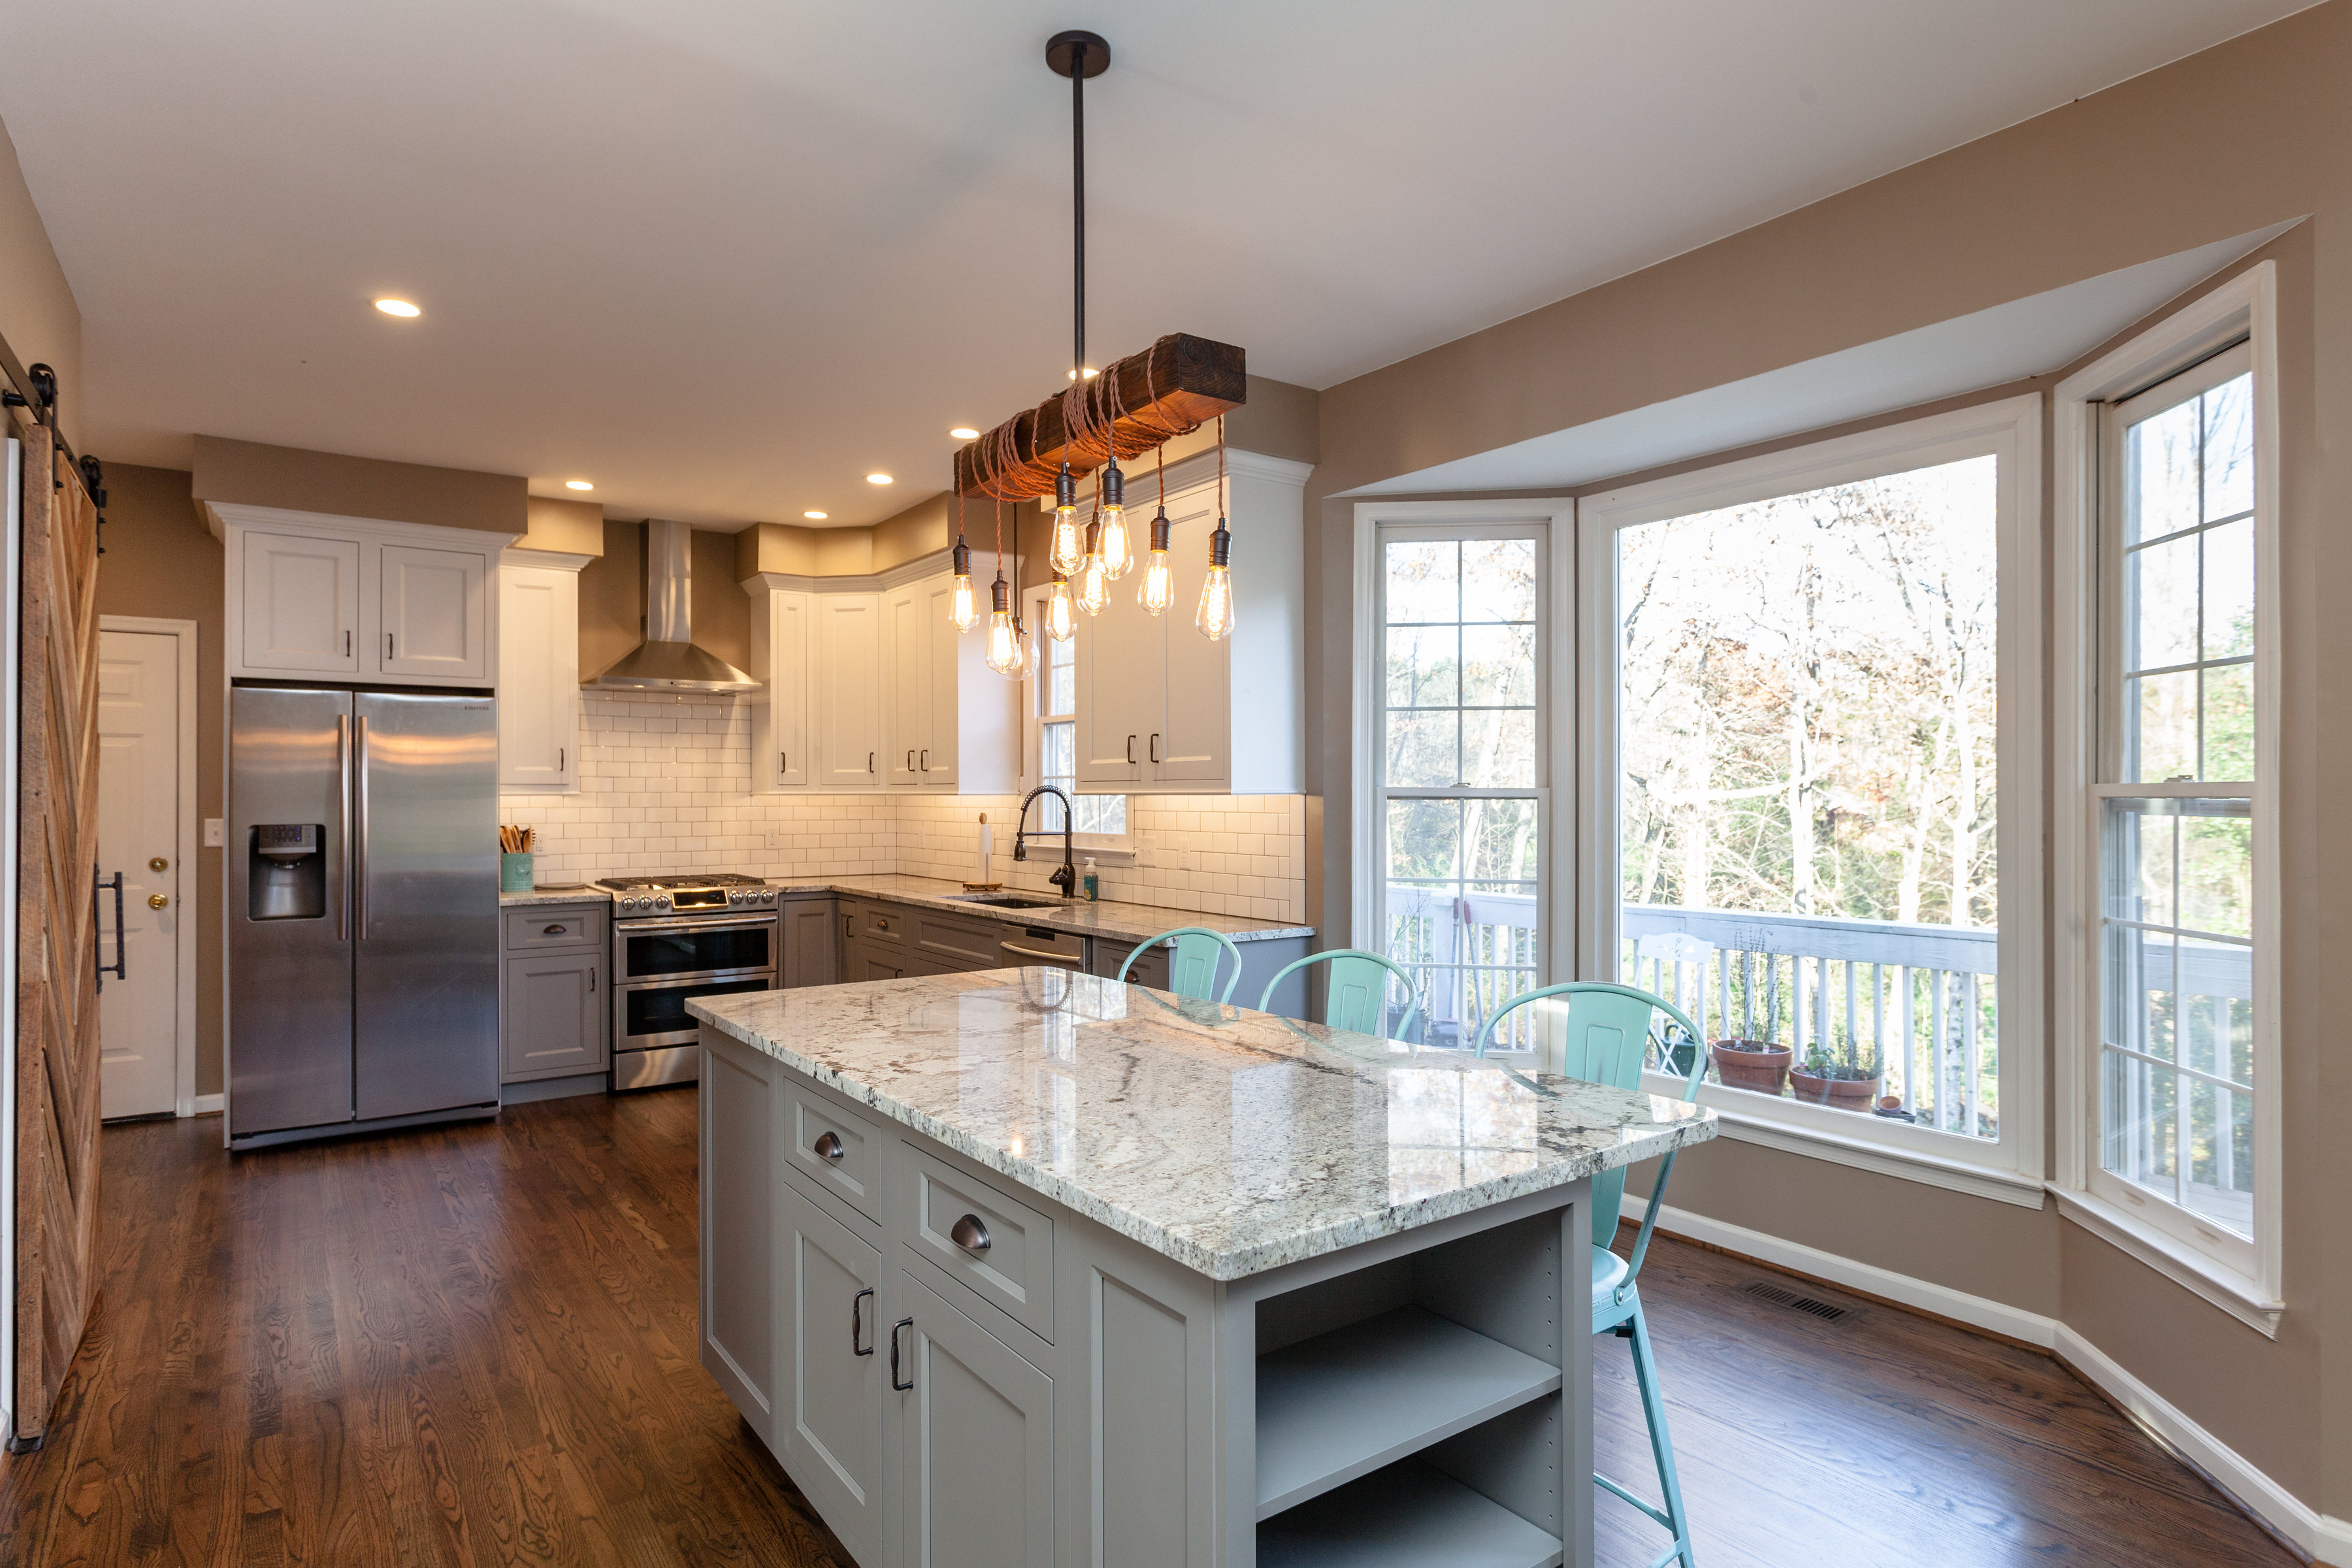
(1003, 644)
(962, 613)
(1117, 554)
(1215, 615)
(1094, 585)
(1158, 589)
(1067, 549)
(1059, 624)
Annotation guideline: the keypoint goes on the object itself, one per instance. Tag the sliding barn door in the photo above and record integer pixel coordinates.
(57, 933)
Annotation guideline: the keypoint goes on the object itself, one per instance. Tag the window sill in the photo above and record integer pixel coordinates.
(2185, 1267)
(1863, 1153)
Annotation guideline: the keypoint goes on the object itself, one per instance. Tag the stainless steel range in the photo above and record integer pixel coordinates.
(674, 939)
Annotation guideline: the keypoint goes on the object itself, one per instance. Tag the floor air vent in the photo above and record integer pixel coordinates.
(1781, 1298)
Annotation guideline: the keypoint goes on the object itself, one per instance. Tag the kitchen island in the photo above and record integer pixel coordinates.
(1023, 1266)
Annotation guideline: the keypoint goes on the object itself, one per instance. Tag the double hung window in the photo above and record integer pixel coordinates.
(1101, 816)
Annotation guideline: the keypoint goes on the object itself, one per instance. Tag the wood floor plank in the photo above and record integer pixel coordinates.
(476, 1346)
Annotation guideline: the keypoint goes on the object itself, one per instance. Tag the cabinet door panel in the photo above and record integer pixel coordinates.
(436, 622)
(832, 1415)
(780, 713)
(935, 760)
(1119, 672)
(906, 686)
(554, 1015)
(809, 927)
(1194, 742)
(738, 1105)
(301, 603)
(849, 690)
(978, 1473)
(539, 676)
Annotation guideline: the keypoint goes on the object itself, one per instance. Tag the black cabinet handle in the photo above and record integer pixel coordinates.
(971, 1235)
(856, 1323)
(591, 979)
(1155, 748)
(1130, 748)
(909, 1383)
(926, 758)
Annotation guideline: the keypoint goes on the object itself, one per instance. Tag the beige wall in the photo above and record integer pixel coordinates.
(2253, 134)
(37, 313)
(302, 480)
(160, 561)
(568, 527)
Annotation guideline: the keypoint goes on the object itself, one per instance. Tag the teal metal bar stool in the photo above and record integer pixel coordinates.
(1604, 1039)
(1355, 996)
(1192, 967)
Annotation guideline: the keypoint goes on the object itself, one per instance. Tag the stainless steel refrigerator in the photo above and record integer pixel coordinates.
(364, 908)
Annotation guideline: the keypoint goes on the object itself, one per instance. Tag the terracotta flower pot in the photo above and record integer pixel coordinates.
(1837, 1093)
(1756, 1064)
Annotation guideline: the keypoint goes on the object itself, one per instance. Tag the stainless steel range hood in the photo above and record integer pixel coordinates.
(667, 659)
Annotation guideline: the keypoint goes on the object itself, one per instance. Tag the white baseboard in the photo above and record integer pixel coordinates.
(2322, 1536)
(211, 1105)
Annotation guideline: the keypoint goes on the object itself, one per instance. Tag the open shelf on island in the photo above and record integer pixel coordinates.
(1345, 1403)
(1408, 1515)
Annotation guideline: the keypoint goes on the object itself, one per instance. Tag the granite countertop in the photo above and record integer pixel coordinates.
(1229, 1141)
(1116, 921)
(1125, 922)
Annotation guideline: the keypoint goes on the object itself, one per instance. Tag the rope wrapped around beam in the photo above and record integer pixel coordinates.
(1136, 403)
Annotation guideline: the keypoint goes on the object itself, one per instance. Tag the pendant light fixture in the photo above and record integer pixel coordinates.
(1007, 650)
(962, 612)
(1159, 589)
(1060, 624)
(1117, 554)
(1215, 615)
(1094, 577)
(1066, 550)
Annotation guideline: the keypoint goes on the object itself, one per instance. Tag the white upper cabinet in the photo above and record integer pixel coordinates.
(1162, 708)
(310, 594)
(538, 671)
(434, 619)
(905, 684)
(780, 709)
(954, 724)
(301, 604)
(848, 702)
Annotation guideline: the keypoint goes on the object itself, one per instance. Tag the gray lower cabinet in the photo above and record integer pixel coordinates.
(808, 930)
(828, 1283)
(555, 995)
(977, 1470)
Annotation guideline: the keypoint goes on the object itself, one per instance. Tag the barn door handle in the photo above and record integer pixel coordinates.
(103, 884)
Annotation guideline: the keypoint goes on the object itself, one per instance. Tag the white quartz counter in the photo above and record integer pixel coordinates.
(1229, 1141)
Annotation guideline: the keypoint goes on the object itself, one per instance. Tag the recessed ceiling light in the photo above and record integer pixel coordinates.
(877, 478)
(964, 433)
(578, 485)
(398, 308)
(814, 516)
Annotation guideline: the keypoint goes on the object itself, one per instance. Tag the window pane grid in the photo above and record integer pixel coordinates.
(1058, 747)
(2175, 945)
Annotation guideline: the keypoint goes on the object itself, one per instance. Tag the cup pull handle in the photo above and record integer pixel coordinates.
(829, 1146)
(971, 1235)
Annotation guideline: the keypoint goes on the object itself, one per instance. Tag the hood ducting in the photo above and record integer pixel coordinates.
(667, 659)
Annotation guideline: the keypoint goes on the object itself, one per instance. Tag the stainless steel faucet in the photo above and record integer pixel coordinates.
(1067, 877)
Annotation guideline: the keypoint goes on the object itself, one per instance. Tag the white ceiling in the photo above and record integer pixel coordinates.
(725, 258)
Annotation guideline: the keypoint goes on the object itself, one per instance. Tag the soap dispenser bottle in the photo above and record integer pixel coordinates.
(1092, 883)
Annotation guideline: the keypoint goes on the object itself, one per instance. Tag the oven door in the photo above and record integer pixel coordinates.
(652, 1016)
(693, 949)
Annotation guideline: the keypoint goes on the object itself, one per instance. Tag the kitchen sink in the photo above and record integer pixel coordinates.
(1004, 900)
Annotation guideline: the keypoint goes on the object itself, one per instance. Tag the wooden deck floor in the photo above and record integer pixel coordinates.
(476, 1346)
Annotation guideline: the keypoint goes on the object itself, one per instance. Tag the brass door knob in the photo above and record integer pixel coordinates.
(158, 901)
(158, 864)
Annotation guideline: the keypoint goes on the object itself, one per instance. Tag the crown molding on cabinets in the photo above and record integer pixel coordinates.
(897, 576)
(1199, 468)
(557, 560)
(220, 516)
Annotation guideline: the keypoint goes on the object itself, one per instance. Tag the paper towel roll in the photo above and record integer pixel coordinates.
(987, 852)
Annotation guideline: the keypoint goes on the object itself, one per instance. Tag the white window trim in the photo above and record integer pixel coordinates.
(1555, 681)
(2011, 1169)
(2148, 1229)
(1109, 849)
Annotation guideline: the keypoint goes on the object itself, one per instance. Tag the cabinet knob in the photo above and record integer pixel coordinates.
(971, 1235)
(830, 1147)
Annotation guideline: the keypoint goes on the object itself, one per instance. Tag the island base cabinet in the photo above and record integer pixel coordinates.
(831, 1417)
(976, 1474)
(740, 1181)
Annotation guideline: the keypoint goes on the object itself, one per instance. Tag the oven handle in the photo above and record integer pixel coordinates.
(711, 977)
(711, 922)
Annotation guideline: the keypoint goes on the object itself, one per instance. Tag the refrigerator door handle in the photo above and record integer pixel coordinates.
(344, 810)
(360, 828)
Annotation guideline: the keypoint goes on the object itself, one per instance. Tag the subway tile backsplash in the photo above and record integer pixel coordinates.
(664, 787)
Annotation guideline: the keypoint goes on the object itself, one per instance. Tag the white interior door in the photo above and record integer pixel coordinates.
(139, 789)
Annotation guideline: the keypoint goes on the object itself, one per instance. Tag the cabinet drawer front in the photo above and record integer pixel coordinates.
(556, 925)
(849, 1166)
(879, 923)
(1009, 1263)
(952, 939)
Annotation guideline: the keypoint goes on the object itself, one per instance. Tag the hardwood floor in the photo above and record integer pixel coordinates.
(476, 1346)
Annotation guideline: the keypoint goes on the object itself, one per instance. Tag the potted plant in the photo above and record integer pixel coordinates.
(1847, 1085)
(1756, 1064)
